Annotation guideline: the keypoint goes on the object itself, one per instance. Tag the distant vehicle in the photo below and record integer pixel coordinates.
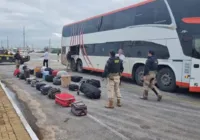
(8, 56)
(171, 28)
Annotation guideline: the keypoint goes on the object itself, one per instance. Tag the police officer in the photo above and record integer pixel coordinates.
(112, 71)
(150, 71)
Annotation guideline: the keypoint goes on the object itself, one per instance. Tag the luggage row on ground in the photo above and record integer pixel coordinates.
(89, 87)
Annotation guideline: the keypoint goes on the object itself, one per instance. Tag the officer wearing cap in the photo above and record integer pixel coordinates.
(150, 71)
(112, 71)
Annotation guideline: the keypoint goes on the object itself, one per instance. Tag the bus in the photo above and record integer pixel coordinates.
(171, 28)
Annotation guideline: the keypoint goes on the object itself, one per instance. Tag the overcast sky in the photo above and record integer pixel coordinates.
(44, 19)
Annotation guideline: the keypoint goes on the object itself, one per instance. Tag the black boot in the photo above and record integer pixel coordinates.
(157, 94)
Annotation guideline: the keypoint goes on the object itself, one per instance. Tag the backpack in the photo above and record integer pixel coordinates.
(49, 78)
(38, 74)
(31, 71)
(52, 92)
(57, 81)
(90, 91)
(94, 82)
(45, 89)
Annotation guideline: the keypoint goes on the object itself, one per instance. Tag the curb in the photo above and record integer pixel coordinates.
(29, 130)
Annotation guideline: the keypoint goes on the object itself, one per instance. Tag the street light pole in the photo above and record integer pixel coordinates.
(7, 43)
(24, 38)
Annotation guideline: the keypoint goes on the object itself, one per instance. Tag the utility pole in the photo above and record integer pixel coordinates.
(7, 43)
(49, 45)
(24, 41)
(1, 44)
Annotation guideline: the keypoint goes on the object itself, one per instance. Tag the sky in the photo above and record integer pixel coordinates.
(43, 19)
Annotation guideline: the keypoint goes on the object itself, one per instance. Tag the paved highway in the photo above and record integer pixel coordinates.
(177, 117)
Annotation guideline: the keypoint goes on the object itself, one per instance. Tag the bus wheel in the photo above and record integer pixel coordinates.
(166, 80)
(139, 75)
(73, 65)
(79, 66)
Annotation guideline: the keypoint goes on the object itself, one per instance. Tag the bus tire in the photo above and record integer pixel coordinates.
(79, 66)
(166, 80)
(73, 65)
(139, 75)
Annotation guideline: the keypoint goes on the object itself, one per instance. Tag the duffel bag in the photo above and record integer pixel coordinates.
(54, 73)
(31, 71)
(73, 87)
(21, 76)
(26, 73)
(49, 78)
(34, 82)
(76, 78)
(52, 92)
(39, 85)
(90, 91)
(79, 108)
(56, 81)
(94, 82)
(38, 74)
(45, 89)
(49, 69)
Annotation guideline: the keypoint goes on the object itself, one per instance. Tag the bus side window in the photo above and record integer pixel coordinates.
(107, 22)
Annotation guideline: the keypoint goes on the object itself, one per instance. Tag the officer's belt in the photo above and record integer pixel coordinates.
(113, 74)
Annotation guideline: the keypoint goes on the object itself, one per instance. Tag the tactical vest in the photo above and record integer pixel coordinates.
(115, 65)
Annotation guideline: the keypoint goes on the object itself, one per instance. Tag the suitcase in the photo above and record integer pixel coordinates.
(16, 72)
(76, 78)
(44, 73)
(31, 71)
(73, 87)
(49, 69)
(34, 82)
(49, 78)
(38, 74)
(79, 108)
(57, 81)
(54, 73)
(45, 89)
(90, 91)
(64, 99)
(26, 73)
(52, 92)
(21, 76)
(39, 85)
(94, 82)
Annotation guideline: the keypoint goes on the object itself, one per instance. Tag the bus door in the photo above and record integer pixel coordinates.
(195, 67)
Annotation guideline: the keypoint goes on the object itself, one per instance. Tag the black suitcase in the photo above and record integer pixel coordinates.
(52, 92)
(73, 87)
(90, 91)
(57, 81)
(94, 82)
(76, 79)
(31, 71)
(79, 108)
(49, 69)
(39, 85)
(49, 78)
(21, 76)
(38, 74)
(45, 89)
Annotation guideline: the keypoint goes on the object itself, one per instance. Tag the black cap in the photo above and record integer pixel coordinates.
(112, 53)
(151, 52)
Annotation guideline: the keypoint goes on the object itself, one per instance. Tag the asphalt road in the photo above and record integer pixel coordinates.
(177, 117)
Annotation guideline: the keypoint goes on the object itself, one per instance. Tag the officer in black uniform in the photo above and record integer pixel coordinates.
(112, 71)
(150, 71)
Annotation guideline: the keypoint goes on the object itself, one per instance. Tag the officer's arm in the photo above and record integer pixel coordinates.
(146, 67)
(106, 69)
(121, 67)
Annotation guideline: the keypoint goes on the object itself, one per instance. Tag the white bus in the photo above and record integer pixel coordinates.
(171, 28)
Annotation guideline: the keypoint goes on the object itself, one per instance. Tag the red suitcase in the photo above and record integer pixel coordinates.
(64, 99)
(54, 73)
